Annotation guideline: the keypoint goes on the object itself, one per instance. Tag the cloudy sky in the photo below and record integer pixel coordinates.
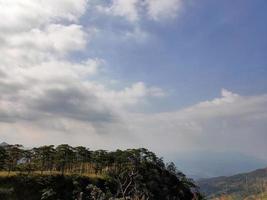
(174, 76)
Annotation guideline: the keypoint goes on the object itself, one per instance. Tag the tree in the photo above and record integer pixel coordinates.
(44, 157)
(83, 156)
(136, 174)
(3, 157)
(27, 164)
(100, 160)
(64, 157)
(14, 153)
(144, 176)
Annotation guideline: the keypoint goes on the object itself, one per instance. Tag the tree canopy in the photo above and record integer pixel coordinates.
(130, 174)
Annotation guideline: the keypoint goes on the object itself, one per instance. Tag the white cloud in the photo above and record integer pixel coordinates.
(231, 122)
(27, 14)
(134, 10)
(160, 10)
(33, 31)
(55, 38)
(38, 80)
(129, 95)
(122, 8)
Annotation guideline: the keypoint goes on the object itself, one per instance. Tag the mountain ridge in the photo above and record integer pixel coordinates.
(239, 186)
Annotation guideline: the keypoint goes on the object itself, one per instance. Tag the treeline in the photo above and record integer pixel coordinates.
(136, 174)
(63, 159)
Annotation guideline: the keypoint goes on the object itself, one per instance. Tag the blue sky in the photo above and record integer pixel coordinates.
(209, 46)
(179, 77)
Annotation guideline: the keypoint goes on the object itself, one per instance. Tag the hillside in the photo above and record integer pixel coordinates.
(252, 185)
(71, 173)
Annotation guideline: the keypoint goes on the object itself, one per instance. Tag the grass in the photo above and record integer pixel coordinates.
(5, 174)
(48, 173)
(262, 196)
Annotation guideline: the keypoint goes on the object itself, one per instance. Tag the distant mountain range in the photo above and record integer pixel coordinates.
(207, 164)
(252, 185)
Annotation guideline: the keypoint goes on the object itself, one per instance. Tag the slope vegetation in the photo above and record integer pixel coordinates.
(252, 185)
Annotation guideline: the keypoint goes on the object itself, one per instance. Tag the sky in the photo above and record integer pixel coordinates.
(178, 77)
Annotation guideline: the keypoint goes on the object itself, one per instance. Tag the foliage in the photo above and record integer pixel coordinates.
(136, 174)
(3, 157)
(252, 185)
